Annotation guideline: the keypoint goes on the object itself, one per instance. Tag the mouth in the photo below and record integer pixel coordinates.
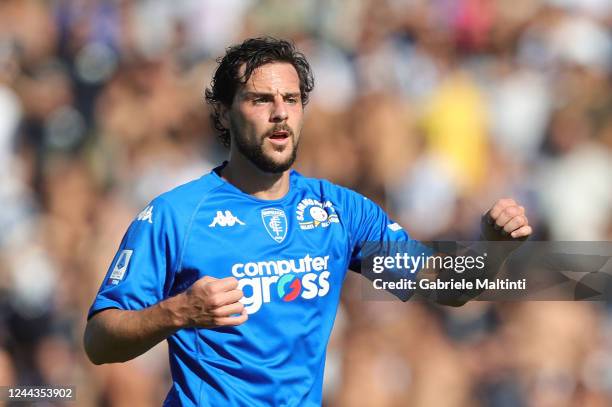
(279, 137)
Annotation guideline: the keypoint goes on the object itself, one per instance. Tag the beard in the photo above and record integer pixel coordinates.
(255, 154)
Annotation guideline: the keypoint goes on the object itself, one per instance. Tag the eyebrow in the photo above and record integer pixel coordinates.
(260, 94)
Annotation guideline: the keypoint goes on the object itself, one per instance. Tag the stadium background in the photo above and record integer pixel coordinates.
(432, 108)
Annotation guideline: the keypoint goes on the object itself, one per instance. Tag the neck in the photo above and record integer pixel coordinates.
(244, 175)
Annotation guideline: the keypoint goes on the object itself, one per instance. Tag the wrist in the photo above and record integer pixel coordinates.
(172, 314)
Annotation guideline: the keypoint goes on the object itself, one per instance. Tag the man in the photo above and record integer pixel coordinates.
(241, 270)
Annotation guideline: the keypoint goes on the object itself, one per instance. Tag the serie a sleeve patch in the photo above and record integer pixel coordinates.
(121, 267)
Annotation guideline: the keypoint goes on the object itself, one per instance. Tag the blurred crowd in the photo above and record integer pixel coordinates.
(433, 108)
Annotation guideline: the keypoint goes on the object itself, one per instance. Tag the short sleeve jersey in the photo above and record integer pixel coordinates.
(290, 257)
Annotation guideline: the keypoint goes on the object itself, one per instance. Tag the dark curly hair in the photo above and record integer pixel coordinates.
(253, 53)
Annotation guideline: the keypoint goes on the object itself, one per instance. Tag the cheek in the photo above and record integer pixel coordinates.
(247, 120)
(297, 116)
(256, 117)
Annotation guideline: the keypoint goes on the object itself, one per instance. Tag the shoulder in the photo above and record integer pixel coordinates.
(326, 189)
(181, 202)
(191, 193)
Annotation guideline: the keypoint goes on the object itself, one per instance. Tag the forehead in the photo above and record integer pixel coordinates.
(275, 77)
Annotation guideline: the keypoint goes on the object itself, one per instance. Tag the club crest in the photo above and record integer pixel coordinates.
(275, 221)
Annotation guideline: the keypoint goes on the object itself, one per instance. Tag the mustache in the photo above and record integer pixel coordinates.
(280, 127)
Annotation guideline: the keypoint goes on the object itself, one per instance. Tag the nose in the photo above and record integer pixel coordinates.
(279, 112)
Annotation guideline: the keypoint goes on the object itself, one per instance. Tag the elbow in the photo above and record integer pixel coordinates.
(99, 344)
(89, 348)
(94, 358)
(92, 345)
(95, 361)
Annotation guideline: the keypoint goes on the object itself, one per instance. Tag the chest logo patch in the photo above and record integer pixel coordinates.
(275, 221)
(312, 214)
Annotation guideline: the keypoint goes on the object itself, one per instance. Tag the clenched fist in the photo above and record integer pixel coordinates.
(211, 303)
(506, 220)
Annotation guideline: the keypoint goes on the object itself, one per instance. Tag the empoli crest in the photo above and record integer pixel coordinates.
(275, 221)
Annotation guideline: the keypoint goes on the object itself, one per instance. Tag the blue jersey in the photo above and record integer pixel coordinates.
(290, 256)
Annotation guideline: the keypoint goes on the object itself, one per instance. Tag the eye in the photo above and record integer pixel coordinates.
(292, 100)
(260, 100)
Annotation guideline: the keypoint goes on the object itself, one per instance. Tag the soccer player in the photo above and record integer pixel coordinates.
(241, 270)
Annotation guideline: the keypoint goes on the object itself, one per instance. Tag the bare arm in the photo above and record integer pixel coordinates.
(115, 335)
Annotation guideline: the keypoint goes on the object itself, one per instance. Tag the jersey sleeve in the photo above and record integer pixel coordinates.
(145, 263)
(369, 223)
(375, 235)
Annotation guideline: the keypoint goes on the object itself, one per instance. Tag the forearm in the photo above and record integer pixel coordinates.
(115, 335)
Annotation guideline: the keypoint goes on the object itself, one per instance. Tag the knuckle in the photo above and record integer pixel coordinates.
(514, 222)
(504, 203)
(208, 288)
(518, 221)
(214, 300)
(196, 290)
(511, 210)
(200, 284)
(215, 288)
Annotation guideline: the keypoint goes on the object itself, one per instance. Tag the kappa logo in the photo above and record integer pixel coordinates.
(275, 221)
(395, 227)
(225, 219)
(146, 214)
(312, 214)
